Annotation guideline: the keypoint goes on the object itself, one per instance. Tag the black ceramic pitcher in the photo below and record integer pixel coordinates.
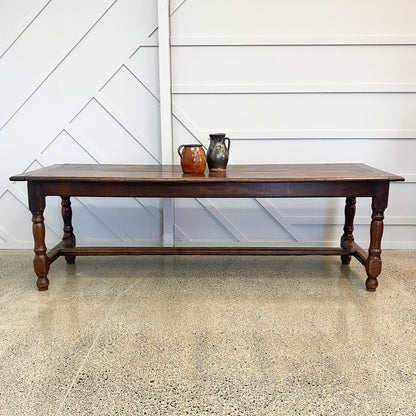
(218, 152)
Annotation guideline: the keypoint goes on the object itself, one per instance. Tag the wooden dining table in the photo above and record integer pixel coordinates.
(347, 180)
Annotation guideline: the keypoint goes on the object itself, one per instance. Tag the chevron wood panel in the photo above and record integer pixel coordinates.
(291, 84)
(80, 82)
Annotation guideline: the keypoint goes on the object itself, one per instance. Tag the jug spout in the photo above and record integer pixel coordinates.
(217, 136)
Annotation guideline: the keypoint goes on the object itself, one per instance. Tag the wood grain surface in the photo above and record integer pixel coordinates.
(234, 173)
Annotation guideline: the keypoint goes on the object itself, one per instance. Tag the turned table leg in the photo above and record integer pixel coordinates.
(41, 260)
(373, 265)
(348, 237)
(68, 238)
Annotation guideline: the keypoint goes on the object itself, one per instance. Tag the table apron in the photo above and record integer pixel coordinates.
(208, 189)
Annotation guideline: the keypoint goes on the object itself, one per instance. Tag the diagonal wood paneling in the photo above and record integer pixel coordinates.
(77, 105)
(16, 18)
(79, 76)
(39, 51)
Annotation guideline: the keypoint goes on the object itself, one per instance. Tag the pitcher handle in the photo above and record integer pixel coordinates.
(229, 143)
(179, 150)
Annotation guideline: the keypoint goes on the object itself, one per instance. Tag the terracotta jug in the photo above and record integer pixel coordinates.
(218, 152)
(193, 159)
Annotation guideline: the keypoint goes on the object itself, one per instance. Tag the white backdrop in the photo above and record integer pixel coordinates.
(288, 81)
(81, 82)
(292, 82)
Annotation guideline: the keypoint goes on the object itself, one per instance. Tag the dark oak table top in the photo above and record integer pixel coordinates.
(333, 172)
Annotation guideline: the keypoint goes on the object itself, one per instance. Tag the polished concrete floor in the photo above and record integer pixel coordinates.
(207, 336)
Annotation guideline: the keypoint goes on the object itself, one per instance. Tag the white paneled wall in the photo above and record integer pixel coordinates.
(289, 81)
(79, 83)
(292, 82)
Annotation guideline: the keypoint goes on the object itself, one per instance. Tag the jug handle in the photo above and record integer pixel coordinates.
(179, 150)
(229, 143)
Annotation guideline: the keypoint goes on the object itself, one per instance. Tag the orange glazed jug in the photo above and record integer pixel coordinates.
(193, 158)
